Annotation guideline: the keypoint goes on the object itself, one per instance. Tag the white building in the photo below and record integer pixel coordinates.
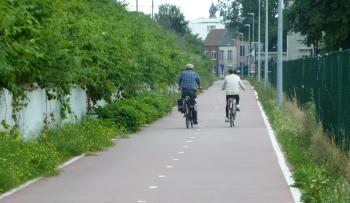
(202, 26)
(296, 47)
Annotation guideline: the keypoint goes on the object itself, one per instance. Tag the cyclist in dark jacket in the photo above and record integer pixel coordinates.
(189, 82)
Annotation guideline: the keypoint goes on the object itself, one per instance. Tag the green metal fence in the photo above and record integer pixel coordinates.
(326, 80)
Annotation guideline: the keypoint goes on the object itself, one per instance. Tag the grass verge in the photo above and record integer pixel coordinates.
(22, 160)
(320, 169)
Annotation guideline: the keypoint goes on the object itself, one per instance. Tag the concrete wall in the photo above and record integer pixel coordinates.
(31, 118)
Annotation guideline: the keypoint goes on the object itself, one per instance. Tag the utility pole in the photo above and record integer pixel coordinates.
(152, 8)
(266, 72)
(241, 52)
(248, 25)
(279, 55)
(253, 14)
(259, 46)
(137, 5)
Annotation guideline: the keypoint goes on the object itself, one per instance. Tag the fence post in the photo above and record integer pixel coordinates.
(340, 119)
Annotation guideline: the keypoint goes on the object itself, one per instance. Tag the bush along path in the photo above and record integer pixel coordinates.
(22, 160)
(320, 168)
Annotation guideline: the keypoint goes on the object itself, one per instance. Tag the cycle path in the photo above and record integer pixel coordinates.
(166, 163)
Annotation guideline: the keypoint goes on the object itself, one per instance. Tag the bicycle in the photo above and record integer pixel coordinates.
(232, 111)
(188, 112)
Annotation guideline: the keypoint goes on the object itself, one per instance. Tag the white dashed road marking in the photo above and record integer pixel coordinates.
(169, 167)
(152, 187)
(161, 176)
(181, 152)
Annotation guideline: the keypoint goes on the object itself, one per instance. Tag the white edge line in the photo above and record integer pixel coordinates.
(74, 159)
(296, 193)
(14, 190)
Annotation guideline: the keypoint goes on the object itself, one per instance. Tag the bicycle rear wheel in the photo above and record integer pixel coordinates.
(232, 120)
(187, 122)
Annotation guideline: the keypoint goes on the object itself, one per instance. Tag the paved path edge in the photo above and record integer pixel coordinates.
(296, 193)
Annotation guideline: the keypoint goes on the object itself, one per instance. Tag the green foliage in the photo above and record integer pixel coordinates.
(314, 179)
(235, 16)
(131, 114)
(172, 18)
(123, 115)
(322, 22)
(22, 160)
(97, 45)
(74, 139)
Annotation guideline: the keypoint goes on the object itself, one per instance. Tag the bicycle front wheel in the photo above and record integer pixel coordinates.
(232, 120)
(187, 122)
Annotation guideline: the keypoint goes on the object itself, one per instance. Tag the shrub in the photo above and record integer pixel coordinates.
(161, 102)
(75, 139)
(149, 112)
(132, 113)
(123, 115)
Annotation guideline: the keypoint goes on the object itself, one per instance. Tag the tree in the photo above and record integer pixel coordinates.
(231, 13)
(322, 22)
(235, 16)
(172, 18)
(301, 17)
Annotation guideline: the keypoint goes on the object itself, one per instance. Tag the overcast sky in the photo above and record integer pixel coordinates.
(192, 9)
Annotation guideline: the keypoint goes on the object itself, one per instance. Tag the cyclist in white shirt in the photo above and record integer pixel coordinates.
(232, 85)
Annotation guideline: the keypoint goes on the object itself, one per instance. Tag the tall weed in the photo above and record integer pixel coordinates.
(320, 168)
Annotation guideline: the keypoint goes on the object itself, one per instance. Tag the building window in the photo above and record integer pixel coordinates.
(229, 55)
(211, 27)
(222, 55)
(242, 51)
(213, 55)
(205, 53)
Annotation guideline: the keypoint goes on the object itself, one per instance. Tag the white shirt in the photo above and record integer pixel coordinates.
(232, 84)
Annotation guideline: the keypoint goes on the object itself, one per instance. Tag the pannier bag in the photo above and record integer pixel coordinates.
(180, 105)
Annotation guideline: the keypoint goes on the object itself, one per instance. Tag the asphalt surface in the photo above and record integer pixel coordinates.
(167, 163)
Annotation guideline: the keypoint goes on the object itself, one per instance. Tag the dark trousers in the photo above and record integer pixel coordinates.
(192, 94)
(228, 97)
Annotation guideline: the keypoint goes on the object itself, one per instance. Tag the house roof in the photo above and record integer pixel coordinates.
(219, 37)
(227, 39)
(214, 37)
